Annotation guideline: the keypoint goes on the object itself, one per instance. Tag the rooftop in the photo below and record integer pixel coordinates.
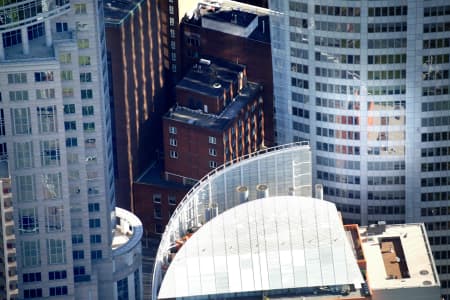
(274, 243)
(212, 121)
(153, 176)
(128, 233)
(398, 256)
(235, 17)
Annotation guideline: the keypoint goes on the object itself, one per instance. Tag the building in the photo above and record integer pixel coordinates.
(218, 117)
(56, 135)
(366, 83)
(8, 263)
(245, 31)
(137, 89)
(233, 238)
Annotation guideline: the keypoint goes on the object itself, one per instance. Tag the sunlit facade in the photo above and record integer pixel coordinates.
(367, 83)
(55, 135)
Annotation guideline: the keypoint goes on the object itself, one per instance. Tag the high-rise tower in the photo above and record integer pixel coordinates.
(55, 134)
(367, 83)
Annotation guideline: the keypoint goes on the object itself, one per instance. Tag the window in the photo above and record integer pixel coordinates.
(212, 152)
(28, 220)
(77, 238)
(212, 164)
(23, 155)
(96, 238)
(172, 200)
(45, 94)
(86, 94)
(122, 289)
(157, 198)
(96, 254)
(89, 127)
(80, 8)
(173, 154)
(94, 207)
(69, 109)
(51, 186)
(79, 271)
(159, 228)
(84, 60)
(50, 155)
(56, 251)
(77, 254)
(65, 58)
(17, 78)
(83, 43)
(61, 27)
(67, 92)
(47, 120)
(18, 95)
(70, 125)
(66, 75)
(173, 142)
(212, 140)
(25, 188)
(54, 216)
(71, 142)
(85, 77)
(57, 275)
(58, 290)
(31, 254)
(21, 121)
(172, 130)
(157, 213)
(32, 293)
(94, 223)
(12, 38)
(43, 76)
(31, 277)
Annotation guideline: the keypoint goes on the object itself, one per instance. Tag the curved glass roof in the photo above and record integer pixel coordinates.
(267, 244)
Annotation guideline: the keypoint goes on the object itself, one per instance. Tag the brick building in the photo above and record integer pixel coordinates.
(218, 117)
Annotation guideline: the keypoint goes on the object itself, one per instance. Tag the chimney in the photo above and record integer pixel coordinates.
(242, 193)
(262, 191)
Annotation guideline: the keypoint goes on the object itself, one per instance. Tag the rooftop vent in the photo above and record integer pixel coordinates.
(262, 191)
(217, 85)
(243, 193)
(205, 62)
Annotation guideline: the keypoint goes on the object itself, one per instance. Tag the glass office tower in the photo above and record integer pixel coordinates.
(367, 83)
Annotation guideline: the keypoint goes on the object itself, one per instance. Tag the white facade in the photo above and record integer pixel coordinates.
(367, 83)
(55, 133)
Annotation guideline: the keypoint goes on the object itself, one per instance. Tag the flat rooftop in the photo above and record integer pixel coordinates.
(235, 17)
(154, 176)
(212, 121)
(398, 257)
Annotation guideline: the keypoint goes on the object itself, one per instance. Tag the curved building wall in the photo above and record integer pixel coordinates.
(283, 170)
(367, 83)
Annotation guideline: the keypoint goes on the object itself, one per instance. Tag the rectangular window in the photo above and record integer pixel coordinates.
(70, 125)
(47, 120)
(51, 186)
(58, 291)
(57, 275)
(23, 155)
(28, 220)
(94, 223)
(77, 238)
(62, 27)
(44, 94)
(80, 8)
(96, 238)
(172, 200)
(212, 164)
(122, 289)
(17, 78)
(43, 76)
(31, 253)
(50, 155)
(25, 188)
(86, 94)
(85, 77)
(56, 251)
(31, 277)
(173, 142)
(66, 75)
(77, 254)
(54, 216)
(71, 142)
(173, 154)
(212, 140)
(84, 60)
(172, 130)
(94, 207)
(157, 213)
(32, 293)
(212, 152)
(21, 121)
(65, 58)
(69, 109)
(18, 95)
(89, 127)
(157, 198)
(88, 110)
